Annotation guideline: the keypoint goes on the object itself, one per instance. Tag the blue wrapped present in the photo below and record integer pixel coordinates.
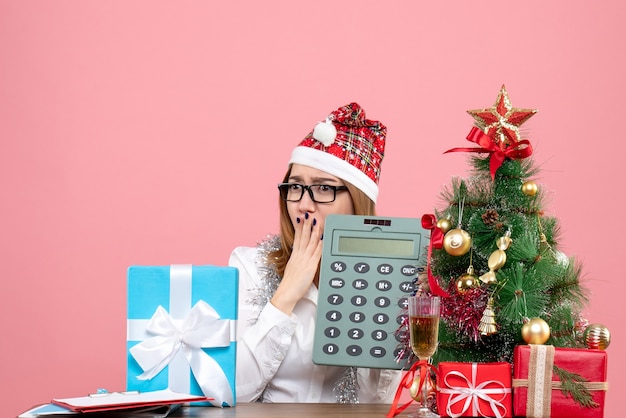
(181, 330)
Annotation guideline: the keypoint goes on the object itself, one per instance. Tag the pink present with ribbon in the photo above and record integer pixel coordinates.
(474, 390)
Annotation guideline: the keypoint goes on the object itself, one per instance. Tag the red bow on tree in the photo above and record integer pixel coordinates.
(520, 149)
(436, 241)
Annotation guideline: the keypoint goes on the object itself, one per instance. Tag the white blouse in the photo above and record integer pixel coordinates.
(274, 354)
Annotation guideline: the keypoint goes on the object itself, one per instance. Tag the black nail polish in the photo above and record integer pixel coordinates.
(306, 215)
(314, 221)
(298, 220)
(322, 237)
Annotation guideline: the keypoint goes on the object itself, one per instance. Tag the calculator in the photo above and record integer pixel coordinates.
(368, 268)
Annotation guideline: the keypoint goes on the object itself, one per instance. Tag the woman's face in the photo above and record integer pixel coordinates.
(305, 175)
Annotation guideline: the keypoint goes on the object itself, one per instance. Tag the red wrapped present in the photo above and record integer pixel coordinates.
(474, 390)
(558, 382)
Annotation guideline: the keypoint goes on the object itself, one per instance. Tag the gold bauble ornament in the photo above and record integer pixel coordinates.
(536, 331)
(529, 188)
(597, 337)
(414, 391)
(467, 281)
(457, 242)
(444, 225)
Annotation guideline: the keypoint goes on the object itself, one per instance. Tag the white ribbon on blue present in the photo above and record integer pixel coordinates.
(472, 392)
(178, 344)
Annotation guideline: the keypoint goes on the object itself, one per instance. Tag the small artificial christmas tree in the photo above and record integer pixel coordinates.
(495, 255)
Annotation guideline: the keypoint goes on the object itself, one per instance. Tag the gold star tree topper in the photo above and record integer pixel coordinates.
(502, 121)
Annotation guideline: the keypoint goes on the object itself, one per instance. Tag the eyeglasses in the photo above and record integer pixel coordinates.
(320, 193)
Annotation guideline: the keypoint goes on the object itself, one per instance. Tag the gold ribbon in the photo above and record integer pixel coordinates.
(556, 384)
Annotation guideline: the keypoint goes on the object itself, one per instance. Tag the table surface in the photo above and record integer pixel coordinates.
(284, 410)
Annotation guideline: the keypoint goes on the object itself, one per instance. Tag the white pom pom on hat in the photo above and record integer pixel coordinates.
(325, 132)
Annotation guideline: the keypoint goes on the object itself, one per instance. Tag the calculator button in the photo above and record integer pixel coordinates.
(361, 267)
(358, 300)
(402, 336)
(383, 285)
(360, 284)
(355, 333)
(379, 335)
(409, 270)
(399, 351)
(331, 348)
(338, 266)
(357, 317)
(354, 350)
(337, 283)
(382, 302)
(335, 299)
(407, 287)
(381, 318)
(385, 269)
(333, 315)
(378, 352)
(402, 319)
(403, 303)
(332, 332)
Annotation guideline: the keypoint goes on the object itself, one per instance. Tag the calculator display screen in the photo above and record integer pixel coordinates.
(376, 246)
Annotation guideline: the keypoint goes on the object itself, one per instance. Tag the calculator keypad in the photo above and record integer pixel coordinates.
(363, 311)
(368, 268)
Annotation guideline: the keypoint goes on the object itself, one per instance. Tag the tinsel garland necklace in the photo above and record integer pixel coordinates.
(346, 389)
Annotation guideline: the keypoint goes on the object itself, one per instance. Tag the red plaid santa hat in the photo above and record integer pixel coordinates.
(346, 145)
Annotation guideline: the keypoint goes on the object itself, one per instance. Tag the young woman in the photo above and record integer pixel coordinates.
(334, 170)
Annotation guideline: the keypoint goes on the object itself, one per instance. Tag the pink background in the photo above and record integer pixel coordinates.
(154, 132)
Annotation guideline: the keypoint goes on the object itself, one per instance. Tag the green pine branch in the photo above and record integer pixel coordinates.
(523, 295)
(573, 385)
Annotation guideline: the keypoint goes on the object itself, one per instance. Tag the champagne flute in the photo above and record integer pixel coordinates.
(424, 330)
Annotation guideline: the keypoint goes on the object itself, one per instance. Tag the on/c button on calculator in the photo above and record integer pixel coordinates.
(368, 268)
